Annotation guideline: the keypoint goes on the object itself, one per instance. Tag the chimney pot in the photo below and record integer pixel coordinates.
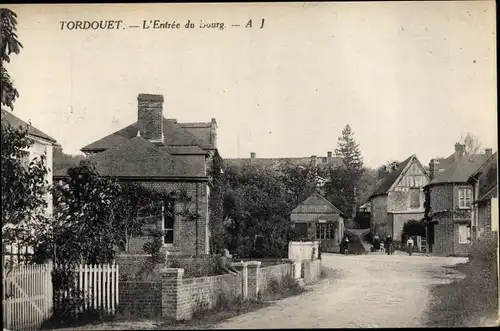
(488, 152)
(329, 157)
(252, 155)
(459, 151)
(314, 160)
(150, 116)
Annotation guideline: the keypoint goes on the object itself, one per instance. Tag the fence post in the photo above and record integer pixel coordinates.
(172, 293)
(243, 269)
(253, 272)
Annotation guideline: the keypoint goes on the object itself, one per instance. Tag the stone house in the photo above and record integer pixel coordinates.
(317, 217)
(43, 144)
(163, 155)
(450, 197)
(484, 211)
(398, 198)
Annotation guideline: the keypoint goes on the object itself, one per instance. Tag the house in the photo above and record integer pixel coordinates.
(43, 144)
(276, 163)
(398, 199)
(450, 197)
(317, 217)
(163, 155)
(484, 184)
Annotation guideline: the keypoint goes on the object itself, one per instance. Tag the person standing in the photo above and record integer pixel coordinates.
(346, 245)
(388, 244)
(409, 245)
(376, 243)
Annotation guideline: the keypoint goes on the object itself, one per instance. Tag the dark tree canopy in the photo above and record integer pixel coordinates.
(9, 44)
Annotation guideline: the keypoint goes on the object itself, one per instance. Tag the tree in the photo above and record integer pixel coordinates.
(216, 224)
(299, 181)
(62, 160)
(9, 44)
(24, 187)
(349, 150)
(471, 142)
(387, 168)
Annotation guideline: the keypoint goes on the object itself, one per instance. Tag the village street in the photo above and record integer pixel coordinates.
(374, 290)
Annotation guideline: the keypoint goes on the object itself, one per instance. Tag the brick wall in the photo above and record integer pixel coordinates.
(277, 272)
(441, 197)
(444, 234)
(141, 299)
(184, 230)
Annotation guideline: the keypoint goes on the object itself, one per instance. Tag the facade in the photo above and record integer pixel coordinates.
(43, 144)
(399, 198)
(166, 156)
(450, 196)
(317, 217)
(484, 211)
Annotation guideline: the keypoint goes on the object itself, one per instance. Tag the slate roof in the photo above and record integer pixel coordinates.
(460, 171)
(139, 158)
(176, 135)
(322, 162)
(316, 199)
(390, 178)
(16, 122)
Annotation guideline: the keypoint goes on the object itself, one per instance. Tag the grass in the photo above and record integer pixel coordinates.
(466, 302)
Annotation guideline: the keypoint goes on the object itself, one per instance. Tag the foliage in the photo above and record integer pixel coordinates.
(62, 160)
(24, 187)
(349, 150)
(215, 202)
(413, 228)
(299, 181)
(154, 247)
(339, 190)
(9, 44)
(387, 168)
(471, 142)
(256, 212)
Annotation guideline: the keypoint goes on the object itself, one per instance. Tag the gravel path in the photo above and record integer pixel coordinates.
(374, 290)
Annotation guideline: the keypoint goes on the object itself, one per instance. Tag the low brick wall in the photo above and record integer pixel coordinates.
(277, 272)
(141, 299)
(311, 271)
(198, 266)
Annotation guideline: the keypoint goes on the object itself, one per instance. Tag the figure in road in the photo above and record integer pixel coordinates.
(409, 245)
(376, 243)
(346, 245)
(388, 244)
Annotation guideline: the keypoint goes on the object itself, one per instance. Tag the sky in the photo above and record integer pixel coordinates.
(408, 77)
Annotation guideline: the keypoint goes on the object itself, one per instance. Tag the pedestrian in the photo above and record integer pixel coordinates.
(409, 245)
(376, 243)
(388, 244)
(346, 245)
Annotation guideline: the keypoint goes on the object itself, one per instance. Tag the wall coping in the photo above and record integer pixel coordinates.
(177, 272)
(254, 264)
(239, 264)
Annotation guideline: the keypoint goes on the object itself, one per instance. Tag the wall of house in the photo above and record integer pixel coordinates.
(378, 217)
(441, 197)
(444, 234)
(41, 147)
(184, 230)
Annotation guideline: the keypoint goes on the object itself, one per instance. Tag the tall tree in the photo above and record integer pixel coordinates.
(387, 168)
(9, 44)
(471, 142)
(349, 150)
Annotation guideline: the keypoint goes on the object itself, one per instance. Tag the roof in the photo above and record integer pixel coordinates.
(460, 171)
(137, 157)
(310, 206)
(487, 176)
(390, 178)
(15, 121)
(176, 135)
(322, 162)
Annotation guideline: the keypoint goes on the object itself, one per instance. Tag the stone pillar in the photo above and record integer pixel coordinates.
(243, 269)
(253, 278)
(171, 293)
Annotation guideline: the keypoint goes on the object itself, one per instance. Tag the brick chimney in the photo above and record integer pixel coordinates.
(314, 161)
(150, 116)
(433, 166)
(459, 151)
(252, 155)
(213, 132)
(488, 152)
(329, 158)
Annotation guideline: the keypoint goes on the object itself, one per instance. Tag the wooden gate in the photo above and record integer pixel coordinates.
(27, 296)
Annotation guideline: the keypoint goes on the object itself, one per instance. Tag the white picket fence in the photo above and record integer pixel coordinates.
(98, 282)
(29, 297)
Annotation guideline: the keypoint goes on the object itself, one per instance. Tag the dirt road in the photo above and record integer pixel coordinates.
(374, 290)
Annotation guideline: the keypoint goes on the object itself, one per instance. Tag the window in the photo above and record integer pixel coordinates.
(301, 229)
(464, 198)
(414, 198)
(463, 234)
(418, 181)
(324, 231)
(168, 221)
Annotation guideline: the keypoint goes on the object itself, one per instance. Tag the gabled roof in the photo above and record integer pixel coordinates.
(310, 206)
(487, 176)
(16, 122)
(139, 158)
(390, 178)
(175, 136)
(460, 171)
